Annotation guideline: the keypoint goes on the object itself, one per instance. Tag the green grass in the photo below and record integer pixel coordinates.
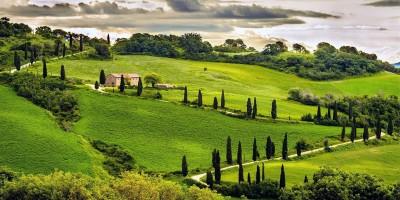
(32, 142)
(239, 81)
(159, 133)
(380, 161)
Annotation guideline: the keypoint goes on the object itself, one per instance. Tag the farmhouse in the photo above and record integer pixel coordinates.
(115, 79)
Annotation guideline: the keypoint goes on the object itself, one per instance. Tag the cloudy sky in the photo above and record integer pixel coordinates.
(370, 25)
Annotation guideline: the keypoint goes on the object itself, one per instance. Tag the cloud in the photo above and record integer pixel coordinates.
(385, 3)
(185, 5)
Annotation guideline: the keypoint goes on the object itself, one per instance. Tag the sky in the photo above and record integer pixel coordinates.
(370, 25)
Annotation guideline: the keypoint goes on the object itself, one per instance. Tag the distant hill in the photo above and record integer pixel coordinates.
(397, 64)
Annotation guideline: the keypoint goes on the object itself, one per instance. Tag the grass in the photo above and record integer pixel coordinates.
(239, 81)
(158, 134)
(377, 160)
(32, 142)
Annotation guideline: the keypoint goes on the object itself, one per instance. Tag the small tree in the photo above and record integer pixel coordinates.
(32, 58)
(239, 154)
(298, 149)
(258, 175)
(62, 73)
(249, 109)
(215, 103)
(263, 172)
(365, 133)
(96, 85)
(282, 180)
(335, 112)
(139, 87)
(229, 150)
(254, 114)
(70, 40)
(268, 148)
(343, 135)
(326, 145)
(102, 77)
(353, 134)
(199, 99)
(209, 179)
(273, 149)
(44, 68)
(390, 126)
(122, 84)
(319, 114)
(108, 39)
(241, 174)
(248, 178)
(185, 96)
(184, 166)
(305, 179)
(255, 151)
(17, 61)
(64, 50)
(222, 99)
(274, 112)
(350, 112)
(285, 148)
(152, 79)
(378, 129)
(80, 43)
(26, 51)
(217, 168)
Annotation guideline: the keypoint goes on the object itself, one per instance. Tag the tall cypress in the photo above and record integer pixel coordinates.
(102, 78)
(298, 149)
(17, 61)
(328, 116)
(274, 112)
(241, 174)
(185, 170)
(217, 168)
(254, 113)
(215, 103)
(214, 158)
(223, 99)
(229, 150)
(64, 50)
(378, 129)
(319, 114)
(44, 68)
(248, 178)
(35, 53)
(108, 39)
(365, 133)
(285, 148)
(258, 175)
(209, 179)
(350, 112)
(255, 151)
(70, 41)
(62, 73)
(273, 149)
(57, 48)
(353, 134)
(262, 172)
(26, 51)
(122, 84)
(249, 109)
(305, 179)
(199, 99)
(139, 87)
(343, 135)
(390, 126)
(268, 148)
(335, 111)
(80, 43)
(239, 154)
(282, 180)
(96, 85)
(32, 57)
(185, 96)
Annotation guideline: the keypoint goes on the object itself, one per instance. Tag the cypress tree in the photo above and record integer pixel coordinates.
(255, 151)
(44, 68)
(350, 112)
(35, 53)
(274, 113)
(365, 133)
(353, 130)
(64, 50)
(185, 96)
(184, 166)
(139, 87)
(335, 111)
(254, 114)
(285, 148)
(26, 51)
(262, 172)
(282, 180)
(328, 116)
(122, 84)
(343, 135)
(209, 179)
(319, 114)
(57, 48)
(248, 178)
(273, 149)
(258, 175)
(249, 109)
(17, 61)
(108, 39)
(298, 149)
(80, 43)
(215, 103)
(70, 41)
(239, 154)
(214, 158)
(32, 57)
(217, 168)
(378, 128)
(268, 148)
(229, 151)
(102, 78)
(241, 175)
(199, 99)
(390, 126)
(305, 179)
(96, 85)
(222, 99)
(62, 73)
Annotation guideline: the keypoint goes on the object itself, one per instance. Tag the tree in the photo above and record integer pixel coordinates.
(222, 99)
(305, 179)
(217, 168)
(62, 73)
(378, 129)
(229, 150)
(57, 48)
(102, 50)
(298, 148)
(139, 87)
(17, 61)
(274, 113)
(335, 111)
(239, 154)
(285, 148)
(353, 134)
(300, 48)
(26, 51)
(263, 172)
(122, 84)
(215, 103)
(268, 148)
(273, 149)
(199, 99)
(44, 31)
(241, 175)
(44, 68)
(152, 79)
(32, 58)
(249, 109)
(274, 49)
(365, 133)
(254, 113)
(390, 126)
(343, 135)
(184, 166)
(96, 85)
(282, 180)
(350, 112)
(108, 39)
(258, 176)
(248, 178)
(319, 114)
(328, 115)
(102, 78)
(255, 151)
(80, 43)
(185, 96)
(64, 50)
(209, 179)
(71, 39)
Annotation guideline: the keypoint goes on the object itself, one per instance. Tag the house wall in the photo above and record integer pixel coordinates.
(111, 79)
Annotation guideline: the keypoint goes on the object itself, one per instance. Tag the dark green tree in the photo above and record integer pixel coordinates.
(390, 126)
(62, 73)
(239, 154)
(328, 115)
(343, 135)
(185, 170)
(365, 133)
(122, 84)
(319, 117)
(335, 111)
(298, 148)
(268, 148)
(96, 85)
(64, 50)
(102, 78)
(353, 134)
(214, 158)
(80, 43)
(229, 151)
(378, 128)
(285, 148)
(17, 61)
(248, 178)
(108, 39)
(262, 172)
(223, 99)
(350, 112)
(71, 39)
(57, 48)
(254, 113)
(209, 179)
(255, 150)
(274, 112)
(273, 149)
(26, 51)
(305, 179)
(185, 96)
(217, 168)
(44, 68)
(32, 58)
(139, 87)
(282, 180)
(215, 103)
(258, 175)
(249, 109)
(241, 174)
(199, 99)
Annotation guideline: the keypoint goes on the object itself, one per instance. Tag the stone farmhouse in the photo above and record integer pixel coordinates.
(115, 79)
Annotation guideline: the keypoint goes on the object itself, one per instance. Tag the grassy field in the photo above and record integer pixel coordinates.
(159, 133)
(379, 160)
(32, 142)
(238, 81)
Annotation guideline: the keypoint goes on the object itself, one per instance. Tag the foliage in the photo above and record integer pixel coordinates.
(102, 50)
(305, 97)
(152, 79)
(265, 189)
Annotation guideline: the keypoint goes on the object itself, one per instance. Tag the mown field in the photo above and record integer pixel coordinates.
(378, 160)
(238, 81)
(32, 142)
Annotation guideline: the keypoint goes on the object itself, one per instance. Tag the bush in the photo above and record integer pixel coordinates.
(297, 94)
(267, 189)
(307, 117)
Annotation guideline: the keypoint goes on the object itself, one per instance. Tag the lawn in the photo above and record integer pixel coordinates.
(32, 142)
(380, 160)
(239, 81)
(159, 133)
